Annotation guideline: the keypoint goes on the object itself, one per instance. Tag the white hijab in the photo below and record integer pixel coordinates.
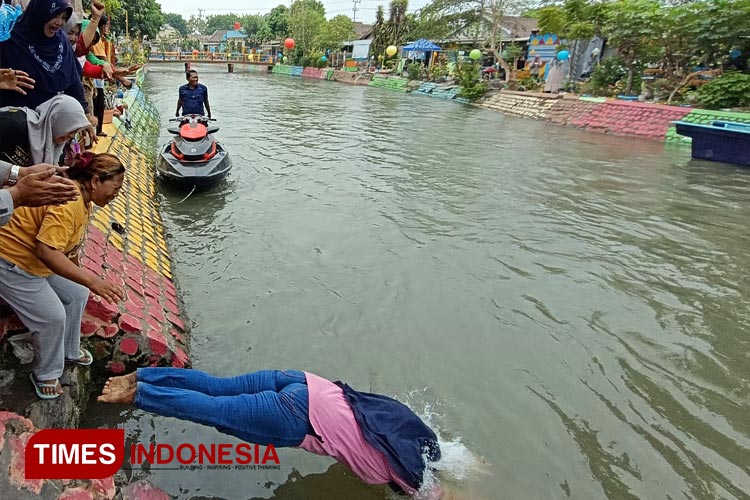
(58, 117)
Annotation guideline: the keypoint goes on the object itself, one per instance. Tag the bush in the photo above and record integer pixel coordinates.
(730, 90)
(605, 75)
(413, 70)
(468, 79)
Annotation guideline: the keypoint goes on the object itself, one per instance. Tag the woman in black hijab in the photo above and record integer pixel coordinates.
(39, 47)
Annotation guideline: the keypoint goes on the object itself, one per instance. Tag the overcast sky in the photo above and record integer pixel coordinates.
(365, 14)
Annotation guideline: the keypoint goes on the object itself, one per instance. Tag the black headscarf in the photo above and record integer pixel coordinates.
(50, 61)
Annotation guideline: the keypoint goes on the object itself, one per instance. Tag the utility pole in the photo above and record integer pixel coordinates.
(355, 9)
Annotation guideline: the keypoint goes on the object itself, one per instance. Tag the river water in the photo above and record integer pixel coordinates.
(570, 308)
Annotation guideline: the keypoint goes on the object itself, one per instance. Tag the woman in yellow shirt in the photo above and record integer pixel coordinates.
(39, 274)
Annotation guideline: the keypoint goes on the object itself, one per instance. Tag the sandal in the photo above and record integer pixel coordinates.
(38, 386)
(83, 353)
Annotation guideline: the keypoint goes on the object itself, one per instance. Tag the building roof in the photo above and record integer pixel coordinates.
(217, 35)
(518, 27)
(362, 30)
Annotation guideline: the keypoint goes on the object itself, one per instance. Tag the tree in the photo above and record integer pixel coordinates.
(177, 22)
(221, 22)
(576, 22)
(278, 23)
(483, 18)
(496, 10)
(144, 17)
(256, 28)
(306, 18)
(197, 25)
(630, 27)
(334, 32)
(394, 31)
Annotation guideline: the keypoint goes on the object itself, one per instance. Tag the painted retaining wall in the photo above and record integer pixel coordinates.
(609, 116)
(145, 330)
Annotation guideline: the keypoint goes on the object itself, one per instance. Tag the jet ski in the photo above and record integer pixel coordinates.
(193, 157)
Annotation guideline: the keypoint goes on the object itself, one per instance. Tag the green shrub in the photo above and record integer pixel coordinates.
(468, 79)
(730, 90)
(413, 70)
(605, 75)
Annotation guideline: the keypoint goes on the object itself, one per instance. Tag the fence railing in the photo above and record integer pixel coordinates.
(212, 57)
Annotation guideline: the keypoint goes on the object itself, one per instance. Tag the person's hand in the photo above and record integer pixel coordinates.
(107, 71)
(90, 134)
(107, 290)
(13, 79)
(38, 186)
(97, 10)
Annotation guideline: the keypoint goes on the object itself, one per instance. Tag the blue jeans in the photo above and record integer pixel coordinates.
(264, 407)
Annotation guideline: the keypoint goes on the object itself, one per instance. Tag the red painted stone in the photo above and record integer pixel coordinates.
(103, 488)
(18, 461)
(158, 314)
(153, 323)
(96, 235)
(157, 343)
(136, 310)
(114, 277)
(133, 271)
(150, 292)
(137, 301)
(134, 281)
(177, 335)
(176, 321)
(116, 367)
(101, 309)
(171, 306)
(129, 324)
(108, 331)
(76, 494)
(143, 490)
(92, 266)
(129, 346)
(180, 359)
(89, 327)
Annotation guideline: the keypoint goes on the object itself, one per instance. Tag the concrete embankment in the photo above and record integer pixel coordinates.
(609, 116)
(125, 243)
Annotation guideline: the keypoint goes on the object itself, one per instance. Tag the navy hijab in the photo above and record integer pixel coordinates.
(49, 61)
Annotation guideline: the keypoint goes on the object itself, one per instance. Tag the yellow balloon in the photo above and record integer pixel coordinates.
(391, 50)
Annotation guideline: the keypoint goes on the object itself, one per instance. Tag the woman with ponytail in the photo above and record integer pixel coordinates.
(39, 273)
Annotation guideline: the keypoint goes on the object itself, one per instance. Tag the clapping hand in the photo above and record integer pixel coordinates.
(13, 79)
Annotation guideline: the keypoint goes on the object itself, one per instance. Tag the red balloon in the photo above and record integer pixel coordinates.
(237, 25)
(289, 43)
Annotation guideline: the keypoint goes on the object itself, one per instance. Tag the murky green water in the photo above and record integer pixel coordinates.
(573, 307)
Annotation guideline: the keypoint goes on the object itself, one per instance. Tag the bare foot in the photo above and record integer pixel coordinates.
(120, 383)
(118, 396)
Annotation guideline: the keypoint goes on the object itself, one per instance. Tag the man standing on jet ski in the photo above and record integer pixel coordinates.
(193, 96)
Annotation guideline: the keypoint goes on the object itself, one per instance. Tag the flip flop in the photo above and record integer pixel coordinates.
(81, 353)
(38, 388)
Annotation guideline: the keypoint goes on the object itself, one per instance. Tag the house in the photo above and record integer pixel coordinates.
(167, 34)
(211, 43)
(513, 29)
(359, 48)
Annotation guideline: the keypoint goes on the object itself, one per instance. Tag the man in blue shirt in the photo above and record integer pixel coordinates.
(193, 96)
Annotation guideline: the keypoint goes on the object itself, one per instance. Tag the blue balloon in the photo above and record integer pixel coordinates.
(563, 55)
(324, 58)
(735, 54)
